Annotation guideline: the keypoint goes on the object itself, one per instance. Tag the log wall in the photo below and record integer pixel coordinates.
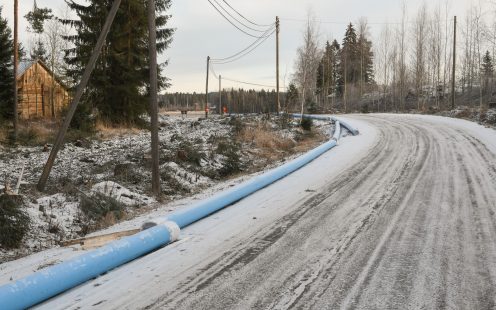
(40, 95)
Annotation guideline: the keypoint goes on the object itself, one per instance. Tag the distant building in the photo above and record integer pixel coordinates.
(41, 94)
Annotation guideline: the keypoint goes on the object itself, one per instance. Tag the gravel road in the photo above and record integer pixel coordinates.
(409, 224)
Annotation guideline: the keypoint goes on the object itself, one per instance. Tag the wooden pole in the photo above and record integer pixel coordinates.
(453, 78)
(77, 96)
(277, 65)
(220, 94)
(152, 48)
(16, 62)
(206, 91)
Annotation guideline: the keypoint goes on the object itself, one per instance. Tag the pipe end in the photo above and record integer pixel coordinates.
(172, 227)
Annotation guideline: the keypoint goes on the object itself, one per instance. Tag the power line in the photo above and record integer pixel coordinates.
(265, 35)
(240, 22)
(238, 81)
(243, 31)
(347, 23)
(248, 83)
(243, 16)
(249, 51)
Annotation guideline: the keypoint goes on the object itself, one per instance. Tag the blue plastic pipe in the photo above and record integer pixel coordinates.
(206, 207)
(56, 279)
(350, 128)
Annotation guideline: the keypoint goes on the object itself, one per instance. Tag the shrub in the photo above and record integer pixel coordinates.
(284, 121)
(187, 152)
(14, 222)
(237, 125)
(231, 162)
(98, 206)
(306, 124)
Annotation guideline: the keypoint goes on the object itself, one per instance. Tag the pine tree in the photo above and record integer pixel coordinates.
(119, 83)
(487, 71)
(328, 72)
(6, 69)
(36, 19)
(39, 52)
(366, 57)
(350, 70)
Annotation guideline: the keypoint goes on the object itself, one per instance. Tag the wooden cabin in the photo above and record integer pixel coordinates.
(41, 94)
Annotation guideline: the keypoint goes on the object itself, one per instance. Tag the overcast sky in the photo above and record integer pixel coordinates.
(201, 31)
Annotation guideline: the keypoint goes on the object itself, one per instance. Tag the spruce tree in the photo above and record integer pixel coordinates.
(6, 70)
(328, 72)
(487, 71)
(36, 19)
(350, 56)
(119, 83)
(366, 58)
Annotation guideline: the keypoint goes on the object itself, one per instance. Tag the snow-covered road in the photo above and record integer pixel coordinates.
(402, 216)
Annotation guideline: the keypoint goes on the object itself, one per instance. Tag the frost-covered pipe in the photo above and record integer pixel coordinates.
(206, 207)
(350, 128)
(56, 279)
(337, 131)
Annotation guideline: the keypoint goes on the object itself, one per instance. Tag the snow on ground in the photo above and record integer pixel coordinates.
(192, 162)
(233, 218)
(388, 219)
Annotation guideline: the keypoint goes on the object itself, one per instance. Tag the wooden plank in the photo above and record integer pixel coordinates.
(98, 241)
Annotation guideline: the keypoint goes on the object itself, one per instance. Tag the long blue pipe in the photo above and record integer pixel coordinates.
(350, 128)
(206, 207)
(54, 280)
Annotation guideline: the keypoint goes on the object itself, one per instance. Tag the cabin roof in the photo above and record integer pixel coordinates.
(24, 65)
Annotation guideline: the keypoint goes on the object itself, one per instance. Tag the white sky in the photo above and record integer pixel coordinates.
(201, 31)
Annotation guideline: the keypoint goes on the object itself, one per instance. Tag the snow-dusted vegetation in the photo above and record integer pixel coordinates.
(99, 182)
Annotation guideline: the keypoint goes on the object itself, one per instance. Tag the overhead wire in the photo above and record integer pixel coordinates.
(225, 17)
(243, 16)
(249, 51)
(260, 39)
(265, 35)
(213, 72)
(240, 22)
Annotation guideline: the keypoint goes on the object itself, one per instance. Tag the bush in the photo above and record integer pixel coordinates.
(98, 206)
(285, 121)
(232, 162)
(237, 124)
(83, 120)
(306, 124)
(187, 152)
(14, 223)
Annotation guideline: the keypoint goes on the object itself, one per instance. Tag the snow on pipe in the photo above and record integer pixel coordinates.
(54, 280)
(327, 118)
(350, 128)
(337, 131)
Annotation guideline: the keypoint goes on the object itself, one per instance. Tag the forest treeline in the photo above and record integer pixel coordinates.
(406, 65)
(117, 91)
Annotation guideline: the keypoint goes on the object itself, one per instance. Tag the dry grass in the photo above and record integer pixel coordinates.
(264, 138)
(4, 135)
(31, 133)
(108, 131)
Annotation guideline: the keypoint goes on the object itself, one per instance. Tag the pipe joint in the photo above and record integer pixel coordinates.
(171, 226)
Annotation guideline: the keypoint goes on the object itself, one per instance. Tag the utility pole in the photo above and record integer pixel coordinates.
(77, 96)
(152, 48)
(206, 91)
(277, 65)
(454, 68)
(220, 94)
(16, 61)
